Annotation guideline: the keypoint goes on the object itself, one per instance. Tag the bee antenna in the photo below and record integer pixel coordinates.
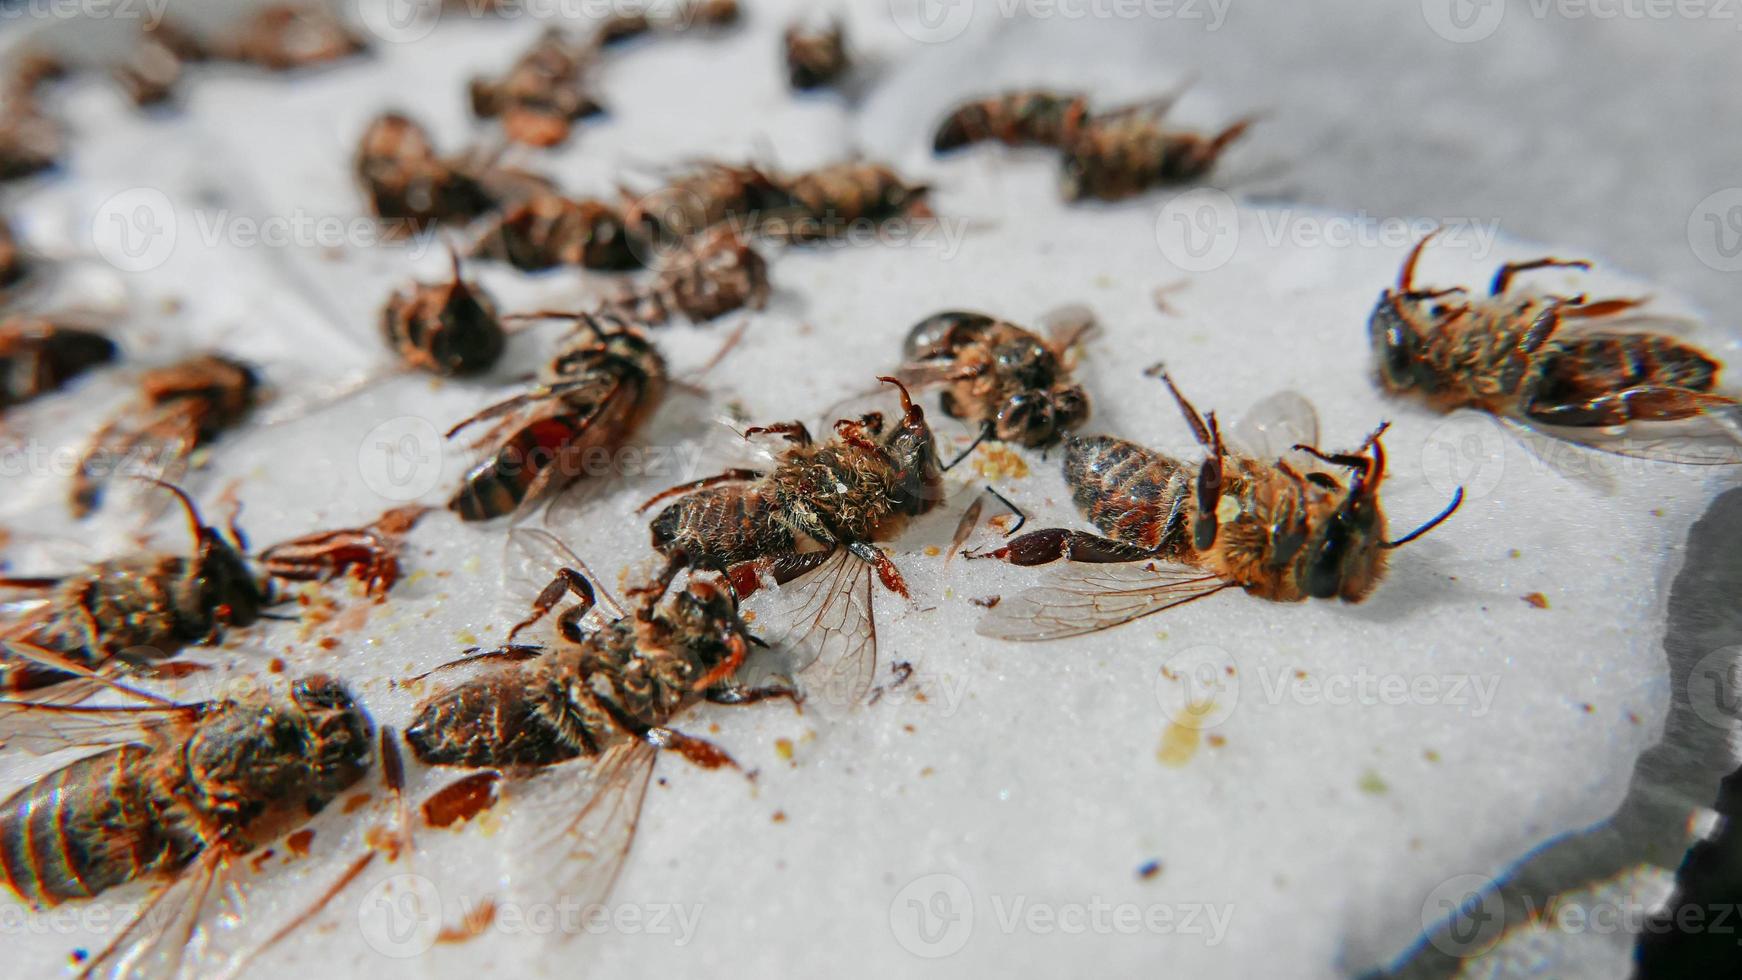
(239, 539)
(196, 525)
(906, 399)
(1457, 498)
(1406, 278)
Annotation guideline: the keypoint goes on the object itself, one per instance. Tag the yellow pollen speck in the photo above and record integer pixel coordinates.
(783, 748)
(1227, 509)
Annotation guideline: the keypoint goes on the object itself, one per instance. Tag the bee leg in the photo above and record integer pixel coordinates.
(507, 654)
(1503, 277)
(1056, 543)
(985, 433)
(1603, 307)
(567, 581)
(736, 695)
(728, 476)
(1637, 404)
(853, 431)
(794, 432)
(1209, 491)
(887, 573)
(697, 750)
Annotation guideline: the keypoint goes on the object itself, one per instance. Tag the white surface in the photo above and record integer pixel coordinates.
(1029, 773)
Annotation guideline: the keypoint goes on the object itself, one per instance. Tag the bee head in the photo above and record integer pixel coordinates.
(1039, 417)
(223, 586)
(914, 452)
(336, 729)
(1344, 557)
(1396, 339)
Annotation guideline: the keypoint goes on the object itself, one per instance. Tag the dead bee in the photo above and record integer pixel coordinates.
(828, 201)
(33, 69)
(604, 698)
(549, 230)
(542, 94)
(1021, 118)
(287, 36)
(179, 792)
(369, 554)
(1248, 517)
(709, 195)
(601, 387)
(815, 56)
(449, 328)
(181, 408)
(1590, 371)
(132, 610)
(818, 511)
(152, 70)
(406, 181)
(712, 275)
(1123, 153)
(30, 142)
(1012, 384)
(39, 355)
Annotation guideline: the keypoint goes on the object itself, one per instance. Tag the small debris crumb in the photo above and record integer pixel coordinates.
(1536, 599)
(1371, 782)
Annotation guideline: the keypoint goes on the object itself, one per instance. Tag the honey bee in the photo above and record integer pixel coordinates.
(406, 181)
(1123, 153)
(180, 793)
(181, 408)
(1012, 384)
(712, 275)
(1249, 517)
(449, 328)
(33, 69)
(816, 57)
(604, 698)
(815, 514)
(153, 69)
(1590, 371)
(545, 91)
(288, 36)
(1028, 117)
(39, 355)
(704, 197)
(30, 142)
(829, 200)
(370, 554)
(596, 393)
(549, 230)
(132, 610)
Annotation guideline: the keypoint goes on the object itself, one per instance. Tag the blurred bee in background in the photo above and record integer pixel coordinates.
(369, 554)
(701, 198)
(13, 267)
(1029, 117)
(816, 57)
(828, 201)
(711, 275)
(1122, 153)
(179, 793)
(549, 230)
(32, 69)
(689, 15)
(131, 610)
(1595, 372)
(181, 408)
(449, 328)
(39, 355)
(542, 94)
(30, 142)
(598, 391)
(287, 36)
(1262, 515)
(603, 698)
(405, 181)
(815, 514)
(155, 66)
(1012, 384)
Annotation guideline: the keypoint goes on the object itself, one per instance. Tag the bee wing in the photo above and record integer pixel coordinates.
(1276, 424)
(50, 725)
(829, 624)
(531, 558)
(1065, 325)
(586, 853)
(164, 940)
(1079, 599)
(1711, 439)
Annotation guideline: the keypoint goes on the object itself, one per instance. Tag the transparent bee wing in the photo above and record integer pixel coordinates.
(580, 856)
(829, 625)
(1711, 439)
(1274, 425)
(1065, 325)
(165, 941)
(1079, 599)
(43, 727)
(531, 559)
(1632, 322)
